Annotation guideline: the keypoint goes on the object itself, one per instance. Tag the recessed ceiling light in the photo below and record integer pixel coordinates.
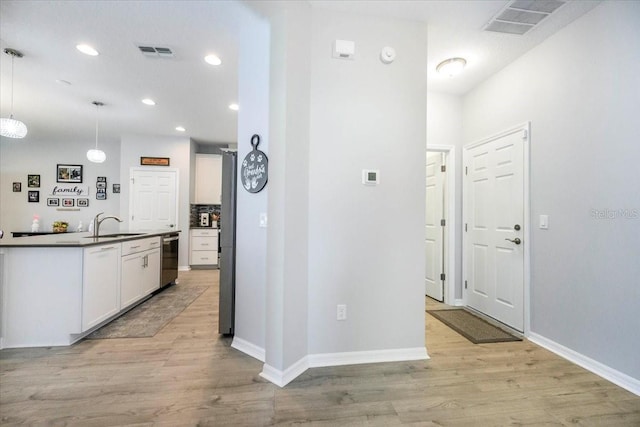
(452, 66)
(213, 60)
(180, 129)
(148, 101)
(234, 107)
(87, 50)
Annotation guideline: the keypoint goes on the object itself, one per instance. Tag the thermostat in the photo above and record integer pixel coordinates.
(370, 177)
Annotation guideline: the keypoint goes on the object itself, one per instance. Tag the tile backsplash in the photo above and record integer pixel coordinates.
(196, 210)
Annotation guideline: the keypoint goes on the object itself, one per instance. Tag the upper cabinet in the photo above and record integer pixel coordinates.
(208, 179)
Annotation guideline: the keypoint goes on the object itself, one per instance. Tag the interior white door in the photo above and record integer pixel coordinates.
(434, 230)
(494, 227)
(153, 203)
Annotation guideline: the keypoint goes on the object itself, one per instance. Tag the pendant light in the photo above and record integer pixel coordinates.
(12, 128)
(95, 155)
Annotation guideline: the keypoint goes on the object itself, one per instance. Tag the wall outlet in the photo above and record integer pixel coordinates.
(341, 312)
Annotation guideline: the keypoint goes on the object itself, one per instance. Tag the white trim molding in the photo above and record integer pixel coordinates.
(618, 378)
(360, 357)
(248, 348)
(282, 378)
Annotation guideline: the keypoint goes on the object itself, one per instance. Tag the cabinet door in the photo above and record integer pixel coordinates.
(151, 273)
(132, 277)
(208, 179)
(100, 284)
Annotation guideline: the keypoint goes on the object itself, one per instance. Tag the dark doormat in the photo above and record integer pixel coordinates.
(472, 327)
(146, 319)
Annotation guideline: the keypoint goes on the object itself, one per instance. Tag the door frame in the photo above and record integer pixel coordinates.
(526, 174)
(176, 171)
(450, 236)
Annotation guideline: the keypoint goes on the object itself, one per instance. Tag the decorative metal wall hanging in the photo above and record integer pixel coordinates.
(255, 168)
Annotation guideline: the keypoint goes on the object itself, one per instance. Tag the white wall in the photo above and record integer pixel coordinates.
(178, 149)
(251, 240)
(30, 156)
(444, 127)
(366, 244)
(580, 91)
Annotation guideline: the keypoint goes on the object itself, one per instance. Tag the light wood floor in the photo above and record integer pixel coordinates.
(187, 375)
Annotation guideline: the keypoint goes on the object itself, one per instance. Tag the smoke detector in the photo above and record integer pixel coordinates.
(154, 51)
(520, 16)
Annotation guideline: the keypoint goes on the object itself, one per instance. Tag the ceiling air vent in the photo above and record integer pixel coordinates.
(520, 16)
(162, 52)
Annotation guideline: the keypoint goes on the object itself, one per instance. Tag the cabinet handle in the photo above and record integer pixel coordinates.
(107, 248)
(135, 247)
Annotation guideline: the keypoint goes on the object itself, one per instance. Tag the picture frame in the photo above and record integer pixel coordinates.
(69, 173)
(101, 179)
(53, 201)
(101, 196)
(17, 187)
(101, 185)
(33, 181)
(34, 196)
(82, 203)
(116, 188)
(155, 161)
(68, 203)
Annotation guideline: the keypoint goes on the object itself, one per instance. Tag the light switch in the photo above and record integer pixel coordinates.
(544, 222)
(344, 49)
(263, 220)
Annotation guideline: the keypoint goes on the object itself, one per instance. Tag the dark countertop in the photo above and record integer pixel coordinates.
(77, 240)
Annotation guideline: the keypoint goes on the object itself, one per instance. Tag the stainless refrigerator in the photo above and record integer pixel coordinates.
(227, 261)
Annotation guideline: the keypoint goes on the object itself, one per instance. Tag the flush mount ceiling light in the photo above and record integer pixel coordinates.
(212, 59)
(87, 50)
(96, 155)
(148, 101)
(234, 107)
(12, 128)
(180, 129)
(452, 66)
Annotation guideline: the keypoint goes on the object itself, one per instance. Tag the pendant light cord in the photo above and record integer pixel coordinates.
(97, 108)
(11, 114)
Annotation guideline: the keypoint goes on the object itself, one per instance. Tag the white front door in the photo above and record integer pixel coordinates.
(434, 230)
(153, 203)
(494, 227)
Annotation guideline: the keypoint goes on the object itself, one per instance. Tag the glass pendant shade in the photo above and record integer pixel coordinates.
(96, 156)
(12, 128)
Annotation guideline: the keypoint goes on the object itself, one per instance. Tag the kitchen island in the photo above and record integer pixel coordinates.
(58, 288)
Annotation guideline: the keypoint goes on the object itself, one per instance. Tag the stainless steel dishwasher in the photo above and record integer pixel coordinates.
(169, 259)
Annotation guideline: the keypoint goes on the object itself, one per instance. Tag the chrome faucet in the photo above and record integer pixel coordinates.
(97, 221)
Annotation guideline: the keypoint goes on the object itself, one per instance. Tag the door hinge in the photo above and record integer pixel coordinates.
(133, 181)
(526, 135)
(443, 222)
(465, 227)
(442, 276)
(131, 217)
(465, 284)
(443, 168)
(466, 170)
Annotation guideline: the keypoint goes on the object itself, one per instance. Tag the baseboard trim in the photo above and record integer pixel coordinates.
(248, 348)
(184, 268)
(282, 378)
(458, 302)
(360, 357)
(618, 378)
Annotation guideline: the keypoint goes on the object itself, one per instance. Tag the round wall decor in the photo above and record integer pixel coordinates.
(255, 168)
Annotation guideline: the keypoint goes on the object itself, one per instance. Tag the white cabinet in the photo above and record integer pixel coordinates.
(100, 284)
(208, 179)
(203, 246)
(140, 270)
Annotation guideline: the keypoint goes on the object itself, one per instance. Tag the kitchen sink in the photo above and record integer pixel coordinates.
(114, 235)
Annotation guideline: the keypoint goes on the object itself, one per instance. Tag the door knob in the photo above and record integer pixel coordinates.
(517, 240)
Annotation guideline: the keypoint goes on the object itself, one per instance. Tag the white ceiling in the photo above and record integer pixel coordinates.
(189, 92)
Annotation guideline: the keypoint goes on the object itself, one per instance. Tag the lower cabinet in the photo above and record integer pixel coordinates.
(100, 284)
(203, 246)
(140, 270)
